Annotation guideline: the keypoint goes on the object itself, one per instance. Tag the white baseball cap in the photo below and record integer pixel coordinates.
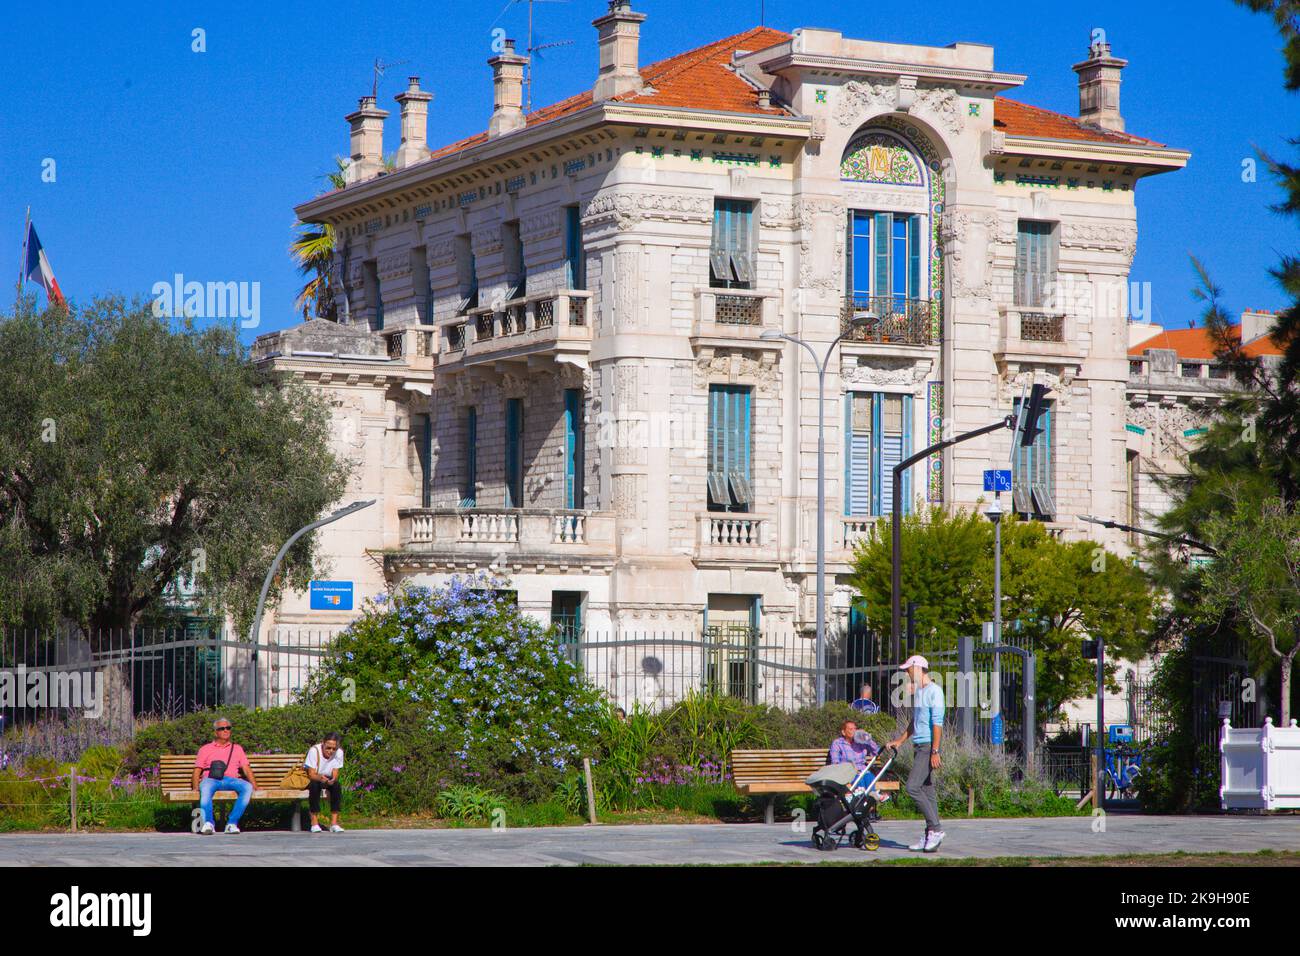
(916, 660)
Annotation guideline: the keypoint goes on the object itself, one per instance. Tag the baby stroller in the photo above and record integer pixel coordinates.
(846, 800)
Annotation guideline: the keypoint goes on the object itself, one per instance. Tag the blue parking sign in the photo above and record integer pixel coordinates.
(996, 479)
(331, 595)
(995, 731)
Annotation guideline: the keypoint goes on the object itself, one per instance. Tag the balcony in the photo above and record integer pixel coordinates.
(481, 536)
(734, 317)
(413, 345)
(553, 323)
(898, 321)
(735, 538)
(1035, 333)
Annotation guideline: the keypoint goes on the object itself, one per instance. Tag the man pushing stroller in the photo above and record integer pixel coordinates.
(926, 731)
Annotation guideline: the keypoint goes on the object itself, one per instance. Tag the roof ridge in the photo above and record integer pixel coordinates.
(701, 54)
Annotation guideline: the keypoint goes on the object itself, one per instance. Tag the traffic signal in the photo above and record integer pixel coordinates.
(1031, 412)
(1090, 650)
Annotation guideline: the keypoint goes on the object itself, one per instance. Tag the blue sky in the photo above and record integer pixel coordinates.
(173, 161)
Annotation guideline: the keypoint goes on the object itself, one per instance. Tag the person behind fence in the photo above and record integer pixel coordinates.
(926, 731)
(323, 763)
(864, 704)
(220, 763)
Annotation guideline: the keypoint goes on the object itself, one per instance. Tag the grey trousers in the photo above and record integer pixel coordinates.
(920, 787)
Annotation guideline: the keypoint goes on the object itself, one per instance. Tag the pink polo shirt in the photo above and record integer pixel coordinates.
(235, 759)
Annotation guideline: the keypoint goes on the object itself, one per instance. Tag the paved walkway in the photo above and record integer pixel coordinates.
(733, 843)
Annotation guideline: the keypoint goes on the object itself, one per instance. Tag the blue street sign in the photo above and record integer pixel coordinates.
(995, 731)
(1121, 733)
(331, 595)
(997, 480)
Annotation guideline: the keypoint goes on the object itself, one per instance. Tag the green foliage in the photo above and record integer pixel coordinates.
(129, 447)
(473, 804)
(1057, 591)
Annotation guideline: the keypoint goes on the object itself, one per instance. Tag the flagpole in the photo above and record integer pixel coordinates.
(22, 266)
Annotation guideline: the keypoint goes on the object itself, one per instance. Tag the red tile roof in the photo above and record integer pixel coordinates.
(1198, 344)
(700, 79)
(1020, 119)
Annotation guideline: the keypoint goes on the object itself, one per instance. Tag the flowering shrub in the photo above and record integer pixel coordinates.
(482, 682)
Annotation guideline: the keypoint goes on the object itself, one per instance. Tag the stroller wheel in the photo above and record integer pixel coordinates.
(871, 841)
(855, 839)
(823, 840)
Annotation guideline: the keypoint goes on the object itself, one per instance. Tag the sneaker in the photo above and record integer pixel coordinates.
(933, 841)
(336, 829)
(207, 828)
(316, 828)
(921, 845)
(231, 828)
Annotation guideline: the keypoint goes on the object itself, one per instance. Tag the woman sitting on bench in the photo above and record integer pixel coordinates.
(323, 762)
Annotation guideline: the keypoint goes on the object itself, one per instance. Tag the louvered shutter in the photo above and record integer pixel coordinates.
(881, 228)
(914, 244)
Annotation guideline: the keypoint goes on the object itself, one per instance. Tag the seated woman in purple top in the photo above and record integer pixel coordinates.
(853, 746)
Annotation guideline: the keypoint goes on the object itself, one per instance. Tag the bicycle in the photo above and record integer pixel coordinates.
(1123, 765)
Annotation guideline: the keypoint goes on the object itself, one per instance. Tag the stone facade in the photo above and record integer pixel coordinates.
(839, 125)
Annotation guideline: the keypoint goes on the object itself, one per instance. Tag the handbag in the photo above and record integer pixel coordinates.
(217, 769)
(297, 779)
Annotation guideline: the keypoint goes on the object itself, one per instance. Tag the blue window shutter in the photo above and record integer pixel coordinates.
(469, 499)
(857, 455)
(877, 476)
(426, 492)
(907, 450)
(849, 239)
(862, 257)
(514, 464)
(898, 257)
(848, 441)
(881, 228)
(573, 468)
(914, 243)
(573, 248)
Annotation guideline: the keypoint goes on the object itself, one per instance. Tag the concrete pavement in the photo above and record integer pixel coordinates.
(660, 844)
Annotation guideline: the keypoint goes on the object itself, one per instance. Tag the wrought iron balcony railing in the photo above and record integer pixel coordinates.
(896, 321)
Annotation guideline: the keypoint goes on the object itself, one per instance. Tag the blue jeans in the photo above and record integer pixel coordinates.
(243, 793)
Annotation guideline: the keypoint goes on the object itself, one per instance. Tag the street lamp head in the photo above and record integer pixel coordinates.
(994, 511)
(771, 335)
(862, 318)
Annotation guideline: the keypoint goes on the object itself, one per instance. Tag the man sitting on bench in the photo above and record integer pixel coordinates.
(219, 763)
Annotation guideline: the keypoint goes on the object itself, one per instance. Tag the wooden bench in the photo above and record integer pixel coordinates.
(774, 772)
(175, 772)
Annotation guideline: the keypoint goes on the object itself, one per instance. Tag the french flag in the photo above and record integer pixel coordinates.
(38, 268)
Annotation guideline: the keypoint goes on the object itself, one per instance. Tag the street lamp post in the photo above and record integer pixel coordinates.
(284, 549)
(771, 335)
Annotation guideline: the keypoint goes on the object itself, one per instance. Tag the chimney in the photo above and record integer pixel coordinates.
(367, 140)
(415, 123)
(1256, 323)
(619, 36)
(1099, 84)
(507, 91)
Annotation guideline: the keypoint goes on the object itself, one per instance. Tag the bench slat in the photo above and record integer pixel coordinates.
(177, 770)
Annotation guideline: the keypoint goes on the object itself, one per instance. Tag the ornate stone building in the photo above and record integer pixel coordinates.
(559, 353)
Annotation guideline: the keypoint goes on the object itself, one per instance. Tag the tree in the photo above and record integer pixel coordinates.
(1057, 592)
(131, 451)
(1256, 573)
(312, 251)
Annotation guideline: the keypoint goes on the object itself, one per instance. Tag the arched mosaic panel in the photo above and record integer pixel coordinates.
(874, 153)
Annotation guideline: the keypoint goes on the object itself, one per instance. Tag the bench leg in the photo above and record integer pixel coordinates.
(769, 811)
(295, 817)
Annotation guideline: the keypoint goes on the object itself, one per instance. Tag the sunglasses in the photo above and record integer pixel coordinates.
(219, 729)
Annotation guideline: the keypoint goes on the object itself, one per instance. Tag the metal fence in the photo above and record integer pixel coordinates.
(119, 676)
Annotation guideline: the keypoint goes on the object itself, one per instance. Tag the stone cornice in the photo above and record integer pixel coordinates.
(851, 66)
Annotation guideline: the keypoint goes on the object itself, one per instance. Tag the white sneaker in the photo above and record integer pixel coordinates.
(316, 828)
(933, 841)
(336, 829)
(231, 828)
(207, 828)
(921, 845)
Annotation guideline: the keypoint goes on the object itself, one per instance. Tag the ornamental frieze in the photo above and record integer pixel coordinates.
(627, 209)
(1104, 237)
(958, 231)
(907, 373)
(858, 96)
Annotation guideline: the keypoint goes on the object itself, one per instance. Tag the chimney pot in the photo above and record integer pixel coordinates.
(367, 140)
(415, 123)
(618, 35)
(507, 91)
(1099, 81)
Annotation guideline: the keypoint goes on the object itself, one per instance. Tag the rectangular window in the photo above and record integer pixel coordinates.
(884, 254)
(878, 436)
(422, 434)
(1035, 263)
(566, 615)
(729, 478)
(731, 257)
(466, 273)
(514, 453)
(513, 249)
(421, 285)
(1033, 489)
(370, 277)
(573, 448)
(469, 493)
(575, 257)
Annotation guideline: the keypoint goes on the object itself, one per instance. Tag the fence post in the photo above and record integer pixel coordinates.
(591, 790)
(965, 674)
(72, 796)
(1031, 714)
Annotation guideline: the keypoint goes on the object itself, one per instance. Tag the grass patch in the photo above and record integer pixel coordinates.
(1269, 858)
